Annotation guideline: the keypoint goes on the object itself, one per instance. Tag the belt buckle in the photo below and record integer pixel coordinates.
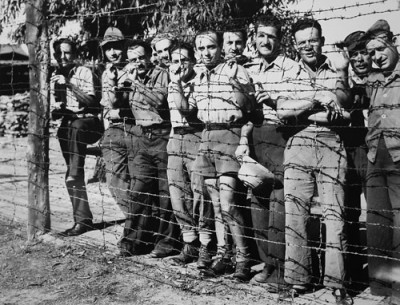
(207, 126)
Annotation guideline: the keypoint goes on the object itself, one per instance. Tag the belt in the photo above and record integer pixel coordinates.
(85, 115)
(222, 126)
(155, 127)
(185, 130)
(122, 121)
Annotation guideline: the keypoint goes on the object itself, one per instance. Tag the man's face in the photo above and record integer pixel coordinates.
(233, 44)
(360, 62)
(383, 54)
(138, 59)
(267, 41)
(64, 55)
(162, 48)
(180, 58)
(309, 45)
(113, 52)
(208, 51)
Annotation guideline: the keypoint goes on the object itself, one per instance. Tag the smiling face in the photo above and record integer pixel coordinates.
(233, 45)
(208, 51)
(162, 48)
(267, 41)
(64, 55)
(180, 57)
(360, 61)
(113, 52)
(138, 59)
(309, 45)
(383, 53)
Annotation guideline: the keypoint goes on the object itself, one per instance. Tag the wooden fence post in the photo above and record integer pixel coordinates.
(37, 41)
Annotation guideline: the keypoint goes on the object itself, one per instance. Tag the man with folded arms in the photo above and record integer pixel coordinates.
(315, 157)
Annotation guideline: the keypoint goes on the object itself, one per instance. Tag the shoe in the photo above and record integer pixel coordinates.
(158, 253)
(223, 264)
(204, 261)
(275, 281)
(341, 297)
(289, 292)
(125, 248)
(242, 271)
(263, 276)
(188, 255)
(78, 229)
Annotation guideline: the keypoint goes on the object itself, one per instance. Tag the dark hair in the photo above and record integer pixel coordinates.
(306, 23)
(241, 31)
(139, 43)
(57, 44)
(269, 20)
(183, 45)
(217, 33)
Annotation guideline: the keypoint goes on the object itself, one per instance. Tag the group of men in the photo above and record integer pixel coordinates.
(177, 133)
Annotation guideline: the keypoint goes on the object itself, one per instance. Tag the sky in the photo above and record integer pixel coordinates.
(355, 17)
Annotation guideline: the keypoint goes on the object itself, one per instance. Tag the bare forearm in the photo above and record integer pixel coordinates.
(293, 108)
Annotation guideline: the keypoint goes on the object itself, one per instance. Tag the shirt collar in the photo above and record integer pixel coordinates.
(326, 65)
(263, 65)
(378, 77)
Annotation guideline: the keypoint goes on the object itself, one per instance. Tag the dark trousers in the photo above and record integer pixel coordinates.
(119, 148)
(268, 206)
(74, 136)
(150, 177)
(355, 185)
(383, 223)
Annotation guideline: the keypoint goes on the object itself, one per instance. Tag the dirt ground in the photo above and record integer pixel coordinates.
(57, 271)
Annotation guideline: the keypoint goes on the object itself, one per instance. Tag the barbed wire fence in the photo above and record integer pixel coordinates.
(48, 208)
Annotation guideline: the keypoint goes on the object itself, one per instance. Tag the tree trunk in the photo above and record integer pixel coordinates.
(38, 138)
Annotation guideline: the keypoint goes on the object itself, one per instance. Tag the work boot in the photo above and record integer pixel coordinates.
(242, 270)
(188, 255)
(204, 260)
(263, 276)
(223, 264)
(342, 297)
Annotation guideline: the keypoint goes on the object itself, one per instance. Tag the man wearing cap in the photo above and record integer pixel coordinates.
(315, 157)
(383, 174)
(119, 144)
(356, 149)
(147, 87)
(74, 99)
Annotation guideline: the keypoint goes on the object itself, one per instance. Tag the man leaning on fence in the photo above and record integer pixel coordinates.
(192, 212)
(220, 96)
(315, 157)
(270, 72)
(383, 174)
(147, 87)
(74, 99)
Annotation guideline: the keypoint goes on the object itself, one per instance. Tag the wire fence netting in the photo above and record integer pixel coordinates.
(229, 154)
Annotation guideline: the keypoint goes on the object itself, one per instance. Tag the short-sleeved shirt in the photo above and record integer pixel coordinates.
(324, 83)
(213, 95)
(83, 78)
(145, 114)
(275, 78)
(384, 113)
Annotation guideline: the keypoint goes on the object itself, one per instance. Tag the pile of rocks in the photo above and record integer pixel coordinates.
(14, 114)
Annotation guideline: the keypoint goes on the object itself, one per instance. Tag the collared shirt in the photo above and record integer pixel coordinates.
(213, 95)
(83, 78)
(145, 114)
(275, 78)
(321, 85)
(384, 113)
